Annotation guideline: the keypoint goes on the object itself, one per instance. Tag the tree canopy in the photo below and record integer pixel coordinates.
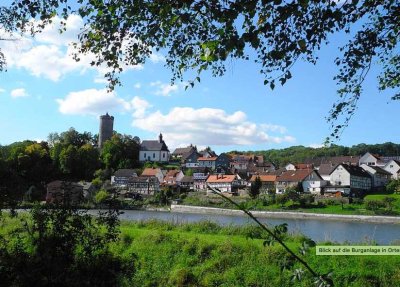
(203, 34)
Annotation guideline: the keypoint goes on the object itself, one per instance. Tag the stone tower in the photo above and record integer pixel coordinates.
(106, 129)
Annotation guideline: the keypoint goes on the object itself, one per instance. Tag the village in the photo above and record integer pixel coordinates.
(233, 174)
(188, 169)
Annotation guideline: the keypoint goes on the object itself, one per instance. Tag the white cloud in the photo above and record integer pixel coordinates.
(92, 102)
(207, 126)
(274, 128)
(2, 90)
(137, 86)
(157, 58)
(49, 55)
(164, 89)
(19, 93)
(140, 107)
(316, 145)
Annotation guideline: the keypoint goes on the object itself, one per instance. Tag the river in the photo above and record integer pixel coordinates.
(317, 229)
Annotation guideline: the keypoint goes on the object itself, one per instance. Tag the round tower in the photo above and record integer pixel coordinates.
(106, 129)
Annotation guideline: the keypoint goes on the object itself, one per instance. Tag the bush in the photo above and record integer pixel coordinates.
(101, 197)
(374, 205)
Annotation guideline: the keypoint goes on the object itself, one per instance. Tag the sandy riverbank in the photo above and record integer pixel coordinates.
(284, 214)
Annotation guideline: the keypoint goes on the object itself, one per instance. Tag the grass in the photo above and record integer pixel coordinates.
(207, 254)
(263, 205)
(204, 254)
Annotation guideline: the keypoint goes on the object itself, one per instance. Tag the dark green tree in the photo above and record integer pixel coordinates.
(121, 151)
(255, 188)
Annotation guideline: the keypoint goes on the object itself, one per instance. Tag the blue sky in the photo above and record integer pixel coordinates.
(45, 91)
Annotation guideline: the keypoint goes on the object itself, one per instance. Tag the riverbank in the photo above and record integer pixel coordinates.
(286, 214)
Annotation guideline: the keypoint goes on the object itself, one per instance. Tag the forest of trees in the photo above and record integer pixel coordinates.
(299, 154)
(70, 155)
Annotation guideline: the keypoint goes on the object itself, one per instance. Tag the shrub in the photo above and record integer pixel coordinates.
(101, 197)
(374, 204)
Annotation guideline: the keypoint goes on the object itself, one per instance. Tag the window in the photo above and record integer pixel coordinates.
(163, 155)
(144, 155)
(154, 155)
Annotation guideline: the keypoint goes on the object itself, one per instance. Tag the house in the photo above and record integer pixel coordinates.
(304, 166)
(224, 183)
(187, 183)
(121, 176)
(209, 162)
(154, 150)
(313, 183)
(240, 162)
(200, 181)
(334, 160)
(393, 166)
(156, 172)
(179, 153)
(207, 153)
(144, 185)
(325, 170)
(60, 192)
(291, 178)
(290, 166)
(223, 161)
(380, 177)
(173, 177)
(371, 159)
(88, 189)
(349, 180)
(267, 182)
(190, 160)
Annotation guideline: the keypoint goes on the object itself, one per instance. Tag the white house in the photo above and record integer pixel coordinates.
(349, 179)
(173, 177)
(153, 172)
(393, 166)
(380, 177)
(313, 183)
(154, 150)
(224, 183)
(370, 159)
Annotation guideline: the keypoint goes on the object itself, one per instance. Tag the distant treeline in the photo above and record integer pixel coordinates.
(299, 154)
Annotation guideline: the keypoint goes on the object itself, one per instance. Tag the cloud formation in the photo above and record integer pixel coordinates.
(49, 55)
(19, 93)
(92, 102)
(164, 89)
(208, 126)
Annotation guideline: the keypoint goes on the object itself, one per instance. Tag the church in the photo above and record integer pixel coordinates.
(154, 150)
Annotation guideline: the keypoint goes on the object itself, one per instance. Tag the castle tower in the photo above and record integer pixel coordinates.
(106, 129)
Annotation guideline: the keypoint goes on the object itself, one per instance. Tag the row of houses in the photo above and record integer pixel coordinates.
(348, 175)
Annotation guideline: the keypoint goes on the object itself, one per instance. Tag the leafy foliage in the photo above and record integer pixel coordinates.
(255, 187)
(62, 247)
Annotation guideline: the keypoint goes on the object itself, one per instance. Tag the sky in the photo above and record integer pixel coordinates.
(44, 90)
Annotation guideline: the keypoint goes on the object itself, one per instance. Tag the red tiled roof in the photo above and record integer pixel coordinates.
(264, 177)
(295, 175)
(304, 166)
(221, 178)
(150, 171)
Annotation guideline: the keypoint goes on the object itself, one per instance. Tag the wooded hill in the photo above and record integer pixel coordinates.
(300, 154)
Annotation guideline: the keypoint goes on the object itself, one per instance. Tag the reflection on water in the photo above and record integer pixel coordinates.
(318, 230)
